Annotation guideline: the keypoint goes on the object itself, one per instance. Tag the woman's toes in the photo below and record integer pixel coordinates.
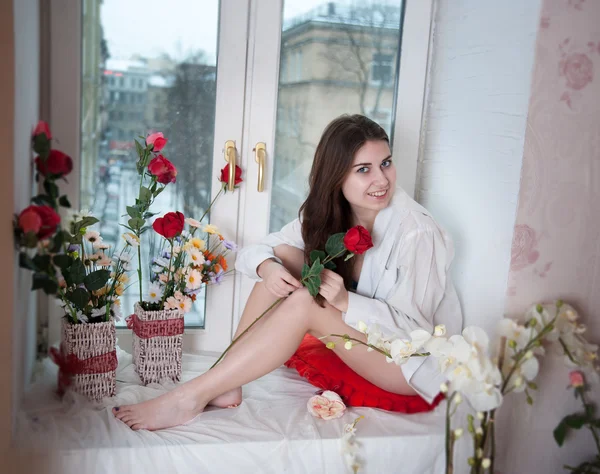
(137, 426)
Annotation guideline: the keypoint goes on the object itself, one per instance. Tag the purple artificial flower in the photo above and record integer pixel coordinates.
(230, 245)
(216, 278)
(73, 248)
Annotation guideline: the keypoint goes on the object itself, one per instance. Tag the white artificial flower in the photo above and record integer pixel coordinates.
(171, 303)
(211, 229)
(193, 280)
(104, 261)
(98, 312)
(439, 330)
(116, 311)
(99, 245)
(155, 292)
(92, 236)
(348, 345)
(513, 331)
(131, 239)
(193, 222)
(362, 327)
(184, 304)
(402, 349)
(161, 262)
(196, 256)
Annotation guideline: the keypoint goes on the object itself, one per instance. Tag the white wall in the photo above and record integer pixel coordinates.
(482, 60)
(27, 57)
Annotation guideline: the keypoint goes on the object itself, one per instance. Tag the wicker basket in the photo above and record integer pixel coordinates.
(89, 359)
(157, 344)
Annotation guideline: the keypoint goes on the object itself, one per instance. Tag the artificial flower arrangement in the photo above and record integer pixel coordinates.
(73, 265)
(483, 379)
(186, 261)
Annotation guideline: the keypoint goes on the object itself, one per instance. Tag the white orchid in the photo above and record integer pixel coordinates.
(402, 350)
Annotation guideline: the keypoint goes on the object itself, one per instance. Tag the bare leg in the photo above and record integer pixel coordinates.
(259, 353)
(259, 300)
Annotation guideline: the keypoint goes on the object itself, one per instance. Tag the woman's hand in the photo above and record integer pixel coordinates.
(277, 279)
(333, 290)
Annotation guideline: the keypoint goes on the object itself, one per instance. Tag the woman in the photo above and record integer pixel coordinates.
(402, 283)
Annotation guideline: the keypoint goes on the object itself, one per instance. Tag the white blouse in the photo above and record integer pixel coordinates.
(404, 282)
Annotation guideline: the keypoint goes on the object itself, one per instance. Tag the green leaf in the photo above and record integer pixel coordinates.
(41, 145)
(136, 222)
(335, 244)
(96, 280)
(64, 201)
(50, 287)
(139, 148)
(77, 272)
(133, 211)
(316, 269)
(575, 421)
(25, 261)
(159, 190)
(29, 240)
(42, 261)
(330, 265)
(305, 271)
(62, 261)
(57, 242)
(560, 433)
(38, 281)
(349, 256)
(148, 215)
(313, 285)
(79, 297)
(317, 254)
(590, 409)
(42, 200)
(51, 188)
(87, 221)
(145, 194)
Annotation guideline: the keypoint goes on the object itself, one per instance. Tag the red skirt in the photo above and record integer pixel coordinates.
(324, 369)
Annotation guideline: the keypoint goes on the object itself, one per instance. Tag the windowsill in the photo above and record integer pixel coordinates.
(270, 428)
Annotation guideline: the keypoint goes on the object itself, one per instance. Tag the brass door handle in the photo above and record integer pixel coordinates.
(260, 155)
(229, 152)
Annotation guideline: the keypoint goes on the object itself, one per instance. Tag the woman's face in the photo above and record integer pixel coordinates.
(370, 184)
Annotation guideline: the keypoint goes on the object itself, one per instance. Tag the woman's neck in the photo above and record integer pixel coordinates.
(364, 218)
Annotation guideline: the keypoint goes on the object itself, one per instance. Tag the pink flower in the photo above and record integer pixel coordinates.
(157, 140)
(326, 406)
(576, 379)
(523, 252)
(42, 127)
(163, 169)
(578, 70)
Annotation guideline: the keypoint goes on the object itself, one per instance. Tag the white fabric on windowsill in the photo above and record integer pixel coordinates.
(271, 431)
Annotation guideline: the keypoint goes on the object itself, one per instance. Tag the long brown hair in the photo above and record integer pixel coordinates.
(326, 211)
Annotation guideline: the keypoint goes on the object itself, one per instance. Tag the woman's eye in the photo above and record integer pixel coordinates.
(360, 170)
(386, 163)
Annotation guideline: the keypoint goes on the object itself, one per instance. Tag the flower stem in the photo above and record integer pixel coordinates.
(278, 300)
(449, 443)
(139, 252)
(211, 203)
(590, 424)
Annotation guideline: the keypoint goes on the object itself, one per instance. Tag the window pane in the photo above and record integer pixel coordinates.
(336, 58)
(147, 68)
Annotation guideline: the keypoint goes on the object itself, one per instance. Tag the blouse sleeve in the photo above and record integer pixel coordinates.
(249, 258)
(421, 273)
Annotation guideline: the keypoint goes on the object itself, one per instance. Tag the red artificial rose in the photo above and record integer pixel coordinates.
(30, 221)
(225, 174)
(57, 164)
(157, 140)
(163, 169)
(169, 226)
(49, 220)
(358, 240)
(42, 127)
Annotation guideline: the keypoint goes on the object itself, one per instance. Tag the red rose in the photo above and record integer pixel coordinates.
(48, 221)
(225, 174)
(157, 140)
(358, 240)
(30, 221)
(163, 169)
(42, 127)
(57, 164)
(170, 225)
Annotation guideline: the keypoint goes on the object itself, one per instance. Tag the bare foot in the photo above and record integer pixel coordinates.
(171, 409)
(229, 399)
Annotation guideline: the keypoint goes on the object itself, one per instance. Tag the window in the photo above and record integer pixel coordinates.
(381, 69)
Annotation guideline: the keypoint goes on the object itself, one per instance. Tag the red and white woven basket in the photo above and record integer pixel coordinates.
(157, 343)
(87, 359)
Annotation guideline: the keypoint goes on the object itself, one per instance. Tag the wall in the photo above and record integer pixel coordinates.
(556, 250)
(473, 139)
